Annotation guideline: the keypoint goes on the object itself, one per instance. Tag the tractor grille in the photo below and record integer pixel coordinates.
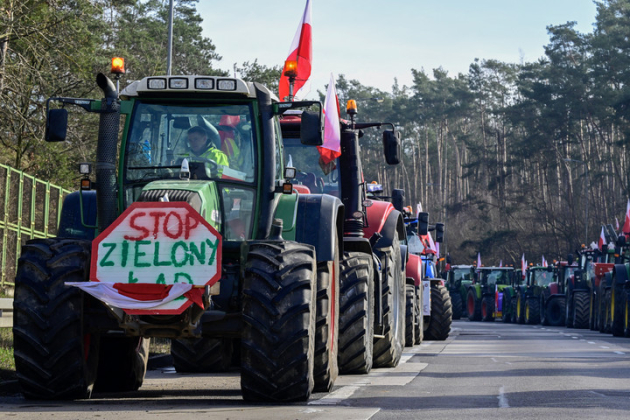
(190, 197)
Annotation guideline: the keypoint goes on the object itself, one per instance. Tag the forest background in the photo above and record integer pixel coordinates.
(513, 157)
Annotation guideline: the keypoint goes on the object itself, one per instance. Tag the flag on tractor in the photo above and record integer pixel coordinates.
(478, 259)
(431, 243)
(523, 265)
(544, 261)
(602, 240)
(500, 263)
(301, 55)
(626, 223)
(331, 149)
(617, 223)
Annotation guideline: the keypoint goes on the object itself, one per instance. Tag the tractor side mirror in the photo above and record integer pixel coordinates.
(423, 223)
(56, 124)
(398, 199)
(311, 133)
(391, 147)
(439, 232)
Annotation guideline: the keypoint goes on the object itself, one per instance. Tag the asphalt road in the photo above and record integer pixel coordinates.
(482, 371)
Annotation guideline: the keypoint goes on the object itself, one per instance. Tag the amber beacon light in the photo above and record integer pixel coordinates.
(118, 65)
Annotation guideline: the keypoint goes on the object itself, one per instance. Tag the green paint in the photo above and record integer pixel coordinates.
(185, 275)
(174, 254)
(125, 252)
(132, 279)
(161, 279)
(105, 262)
(136, 260)
(214, 247)
(156, 257)
(195, 252)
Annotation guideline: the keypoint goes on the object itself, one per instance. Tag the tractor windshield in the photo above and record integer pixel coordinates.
(495, 277)
(462, 274)
(542, 277)
(312, 172)
(218, 139)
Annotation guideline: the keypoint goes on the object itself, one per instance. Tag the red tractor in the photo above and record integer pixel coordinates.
(372, 281)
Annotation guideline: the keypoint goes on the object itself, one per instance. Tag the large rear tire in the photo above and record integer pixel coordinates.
(122, 364)
(441, 314)
(458, 305)
(278, 336)
(202, 355)
(356, 317)
(569, 310)
(506, 315)
(581, 310)
(326, 368)
(410, 315)
(55, 356)
(388, 350)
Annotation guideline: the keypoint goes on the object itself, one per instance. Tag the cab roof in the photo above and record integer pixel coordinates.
(194, 84)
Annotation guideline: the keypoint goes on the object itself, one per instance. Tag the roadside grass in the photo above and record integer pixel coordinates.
(7, 363)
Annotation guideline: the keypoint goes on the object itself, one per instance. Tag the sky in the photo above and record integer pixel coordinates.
(379, 42)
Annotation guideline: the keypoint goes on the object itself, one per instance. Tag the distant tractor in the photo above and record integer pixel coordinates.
(482, 297)
(458, 279)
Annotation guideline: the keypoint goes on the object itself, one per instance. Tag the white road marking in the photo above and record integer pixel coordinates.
(619, 352)
(575, 338)
(336, 397)
(503, 402)
(493, 359)
(604, 347)
(591, 342)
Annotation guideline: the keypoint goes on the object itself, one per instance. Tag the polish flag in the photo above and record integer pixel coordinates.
(523, 265)
(544, 261)
(301, 51)
(626, 223)
(478, 259)
(331, 149)
(617, 223)
(431, 243)
(602, 240)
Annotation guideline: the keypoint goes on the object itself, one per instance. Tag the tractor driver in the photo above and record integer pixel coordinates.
(202, 148)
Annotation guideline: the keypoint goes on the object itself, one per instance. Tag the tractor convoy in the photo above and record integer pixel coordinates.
(215, 221)
(212, 222)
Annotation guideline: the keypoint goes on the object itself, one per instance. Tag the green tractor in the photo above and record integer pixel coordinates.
(458, 280)
(482, 297)
(214, 251)
(530, 298)
(508, 297)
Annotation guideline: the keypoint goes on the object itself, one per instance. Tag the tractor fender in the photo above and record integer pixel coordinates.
(377, 215)
(404, 256)
(553, 288)
(70, 225)
(621, 279)
(476, 290)
(394, 225)
(319, 222)
(356, 244)
(555, 297)
(414, 269)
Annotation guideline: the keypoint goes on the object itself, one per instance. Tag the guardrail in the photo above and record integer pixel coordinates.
(6, 312)
(31, 209)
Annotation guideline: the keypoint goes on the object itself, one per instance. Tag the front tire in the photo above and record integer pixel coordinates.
(356, 317)
(554, 312)
(410, 315)
(202, 355)
(487, 309)
(55, 356)
(458, 305)
(122, 364)
(581, 310)
(278, 336)
(388, 350)
(474, 306)
(441, 314)
(532, 311)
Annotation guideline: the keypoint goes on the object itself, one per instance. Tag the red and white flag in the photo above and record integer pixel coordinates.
(331, 149)
(301, 51)
(602, 240)
(626, 223)
(617, 223)
(523, 265)
(544, 261)
(478, 259)
(431, 243)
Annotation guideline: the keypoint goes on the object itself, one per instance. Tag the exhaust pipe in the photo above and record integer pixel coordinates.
(106, 197)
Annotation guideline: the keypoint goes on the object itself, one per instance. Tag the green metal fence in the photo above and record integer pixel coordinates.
(31, 208)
